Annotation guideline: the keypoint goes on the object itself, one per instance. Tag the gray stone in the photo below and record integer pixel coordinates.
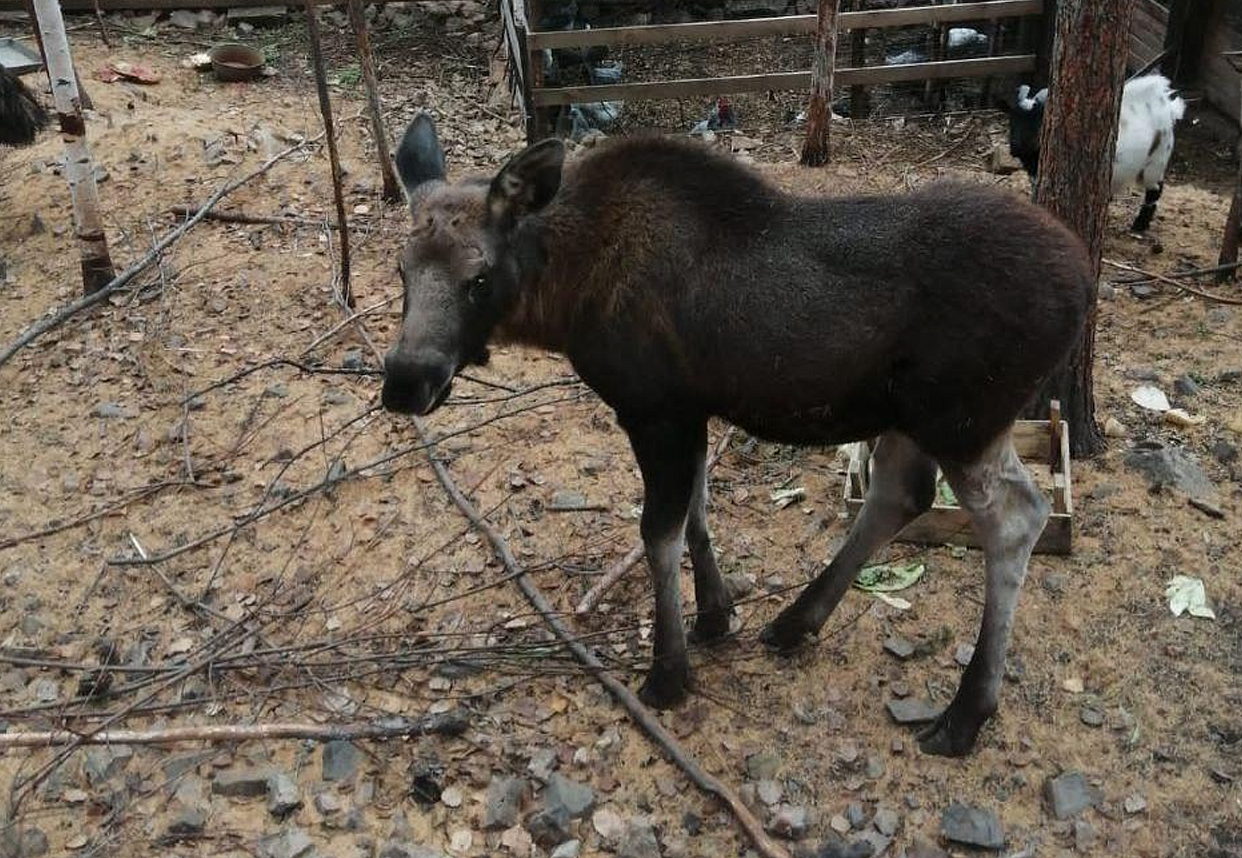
(972, 826)
(283, 797)
(353, 358)
(856, 815)
(567, 798)
(542, 763)
(1166, 466)
(790, 822)
(836, 847)
(567, 500)
(27, 842)
(886, 821)
(104, 762)
(503, 803)
(405, 849)
(899, 647)
(1224, 452)
(920, 848)
(878, 843)
(739, 585)
(276, 390)
(568, 849)
(1186, 386)
(1091, 716)
(110, 410)
(769, 792)
(875, 767)
(290, 843)
(964, 653)
(242, 782)
(763, 766)
(638, 839)
(1085, 835)
(912, 710)
(340, 760)
(1069, 794)
(187, 822)
(1135, 803)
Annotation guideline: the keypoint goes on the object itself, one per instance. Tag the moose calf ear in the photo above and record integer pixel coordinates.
(527, 183)
(420, 157)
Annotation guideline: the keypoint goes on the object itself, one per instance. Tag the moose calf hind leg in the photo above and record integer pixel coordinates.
(1008, 512)
(903, 485)
(712, 601)
(1147, 211)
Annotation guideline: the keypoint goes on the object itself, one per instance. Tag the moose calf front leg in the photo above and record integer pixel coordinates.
(665, 453)
(712, 602)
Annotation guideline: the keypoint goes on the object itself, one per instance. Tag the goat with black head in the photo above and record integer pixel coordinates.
(683, 286)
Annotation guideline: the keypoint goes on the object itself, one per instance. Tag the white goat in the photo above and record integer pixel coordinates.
(1149, 110)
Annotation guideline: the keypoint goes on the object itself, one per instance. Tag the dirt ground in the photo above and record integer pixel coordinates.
(159, 425)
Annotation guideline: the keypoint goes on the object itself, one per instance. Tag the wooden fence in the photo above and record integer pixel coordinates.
(538, 102)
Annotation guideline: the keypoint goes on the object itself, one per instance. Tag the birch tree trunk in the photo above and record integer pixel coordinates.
(97, 268)
(1077, 141)
(815, 149)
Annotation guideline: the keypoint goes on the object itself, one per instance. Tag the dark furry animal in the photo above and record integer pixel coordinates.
(682, 286)
(21, 115)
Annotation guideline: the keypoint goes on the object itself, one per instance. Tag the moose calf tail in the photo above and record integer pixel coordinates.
(21, 115)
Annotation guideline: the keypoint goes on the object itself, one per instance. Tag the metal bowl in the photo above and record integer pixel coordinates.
(236, 62)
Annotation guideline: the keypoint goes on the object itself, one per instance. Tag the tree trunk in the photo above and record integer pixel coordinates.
(97, 269)
(334, 160)
(1077, 141)
(819, 112)
(1233, 223)
(358, 20)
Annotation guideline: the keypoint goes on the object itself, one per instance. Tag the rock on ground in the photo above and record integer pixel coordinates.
(1069, 794)
(972, 826)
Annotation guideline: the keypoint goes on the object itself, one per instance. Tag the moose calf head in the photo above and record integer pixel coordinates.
(464, 264)
(1026, 115)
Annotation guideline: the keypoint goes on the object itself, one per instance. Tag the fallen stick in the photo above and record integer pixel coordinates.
(453, 723)
(643, 716)
(592, 597)
(1219, 299)
(55, 320)
(242, 217)
(1193, 272)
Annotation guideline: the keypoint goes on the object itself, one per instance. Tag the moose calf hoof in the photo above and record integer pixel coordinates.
(710, 627)
(953, 733)
(665, 689)
(787, 632)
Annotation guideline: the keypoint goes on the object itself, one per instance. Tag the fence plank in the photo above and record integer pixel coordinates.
(783, 26)
(686, 87)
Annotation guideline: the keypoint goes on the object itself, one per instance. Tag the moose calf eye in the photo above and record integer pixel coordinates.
(478, 287)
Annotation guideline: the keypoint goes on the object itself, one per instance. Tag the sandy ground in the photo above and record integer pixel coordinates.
(371, 597)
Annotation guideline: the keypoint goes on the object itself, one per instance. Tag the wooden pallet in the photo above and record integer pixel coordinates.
(1044, 443)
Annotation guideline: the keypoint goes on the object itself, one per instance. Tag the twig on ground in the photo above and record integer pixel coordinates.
(597, 592)
(452, 723)
(242, 217)
(643, 716)
(1219, 299)
(55, 320)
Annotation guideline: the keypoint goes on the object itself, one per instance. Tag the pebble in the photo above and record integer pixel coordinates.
(899, 647)
(353, 359)
(1186, 386)
(856, 815)
(110, 410)
(1114, 428)
(912, 710)
(290, 843)
(763, 765)
(839, 824)
(567, 500)
(836, 847)
(607, 824)
(242, 782)
(920, 848)
(790, 822)
(451, 797)
(886, 821)
(1135, 803)
(31, 843)
(1085, 835)
(770, 792)
(283, 797)
(340, 760)
(1069, 794)
(972, 826)
(875, 767)
(503, 803)
(1224, 452)
(102, 763)
(638, 839)
(1091, 716)
(542, 762)
(964, 653)
(567, 798)
(568, 849)
(187, 822)
(406, 849)
(739, 585)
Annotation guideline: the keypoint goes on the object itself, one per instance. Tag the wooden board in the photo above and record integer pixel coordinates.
(687, 87)
(950, 525)
(787, 25)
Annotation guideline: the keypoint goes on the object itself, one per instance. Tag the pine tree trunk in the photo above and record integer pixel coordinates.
(358, 20)
(97, 269)
(819, 113)
(1077, 141)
